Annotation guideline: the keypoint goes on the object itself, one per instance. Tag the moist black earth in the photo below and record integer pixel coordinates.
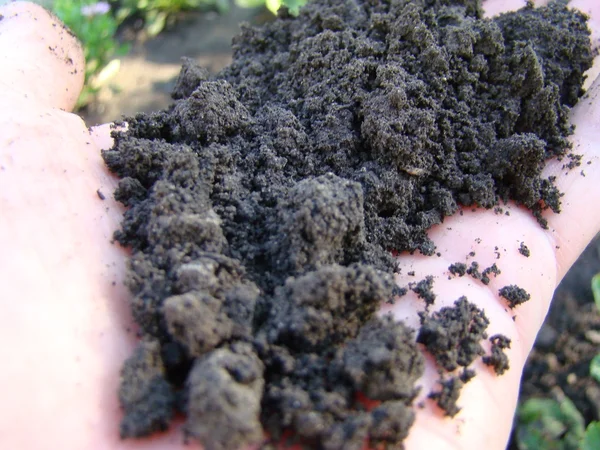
(267, 203)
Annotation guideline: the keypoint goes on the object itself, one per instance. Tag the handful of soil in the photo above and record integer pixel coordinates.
(265, 204)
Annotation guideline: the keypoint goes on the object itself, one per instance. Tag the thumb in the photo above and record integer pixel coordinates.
(42, 60)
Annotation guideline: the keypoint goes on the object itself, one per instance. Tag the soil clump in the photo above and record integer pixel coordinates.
(266, 204)
(515, 295)
(524, 250)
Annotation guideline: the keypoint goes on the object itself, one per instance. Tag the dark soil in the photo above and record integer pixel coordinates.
(424, 290)
(265, 205)
(524, 250)
(453, 334)
(514, 295)
(498, 359)
(447, 396)
(473, 270)
(459, 269)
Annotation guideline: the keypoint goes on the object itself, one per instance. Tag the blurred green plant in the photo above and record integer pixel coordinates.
(158, 14)
(595, 369)
(293, 5)
(548, 424)
(591, 440)
(596, 290)
(95, 26)
(95, 23)
(592, 434)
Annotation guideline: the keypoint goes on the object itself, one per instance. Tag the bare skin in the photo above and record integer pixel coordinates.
(65, 326)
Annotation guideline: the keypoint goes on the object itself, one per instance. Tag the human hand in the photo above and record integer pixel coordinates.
(65, 318)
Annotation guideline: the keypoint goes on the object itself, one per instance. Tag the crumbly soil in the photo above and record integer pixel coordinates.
(266, 204)
(514, 295)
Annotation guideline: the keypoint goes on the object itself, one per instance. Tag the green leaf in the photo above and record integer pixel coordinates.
(294, 5)
(546, 424)
(595, 369)
(591, 441)
(157, 24)
(249, 3)
(596, 290)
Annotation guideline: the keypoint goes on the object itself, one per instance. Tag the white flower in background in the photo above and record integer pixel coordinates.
(95, 9)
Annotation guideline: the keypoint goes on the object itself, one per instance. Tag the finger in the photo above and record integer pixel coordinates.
(495, 7)
(592, 9)
(41, 60)
(100, 134)
(494, 238)
(57, 283)
(579, 221)
(490, 399)
(569, 232)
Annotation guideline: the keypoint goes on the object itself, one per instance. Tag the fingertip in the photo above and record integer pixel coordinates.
(586, 113)
(494, 7)
(42, 60)
(100, 134)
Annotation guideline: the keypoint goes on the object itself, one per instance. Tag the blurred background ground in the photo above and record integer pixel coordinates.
(148, 72)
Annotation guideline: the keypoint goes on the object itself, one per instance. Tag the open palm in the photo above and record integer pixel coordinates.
(65, 328)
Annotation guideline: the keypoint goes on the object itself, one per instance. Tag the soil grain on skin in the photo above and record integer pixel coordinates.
(265, 205)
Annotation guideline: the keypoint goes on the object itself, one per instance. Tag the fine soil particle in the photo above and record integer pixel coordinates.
(265, 206)
(492, 270)
(424, 290)
(458, 268)
(498, 360)
(397, 292)
(483, 276)
(473, 270)
(446, 398)
(524, 250)
(467, 375)
(514, 294)
(448, 394)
